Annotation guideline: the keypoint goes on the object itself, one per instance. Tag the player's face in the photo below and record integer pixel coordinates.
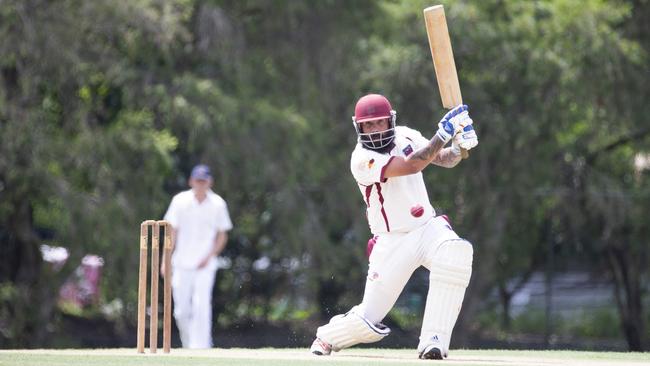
(379, 125)
(200, 185)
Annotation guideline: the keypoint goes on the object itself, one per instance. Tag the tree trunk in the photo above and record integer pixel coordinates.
(33, 300)
(24, 242)
(628, 293)
(505, 298)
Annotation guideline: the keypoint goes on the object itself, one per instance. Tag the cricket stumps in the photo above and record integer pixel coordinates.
(152, 233)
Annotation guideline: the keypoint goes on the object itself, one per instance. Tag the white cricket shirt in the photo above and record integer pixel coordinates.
(197, 225)
(389, 200)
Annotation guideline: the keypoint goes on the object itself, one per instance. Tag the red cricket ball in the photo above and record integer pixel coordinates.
(417, 210)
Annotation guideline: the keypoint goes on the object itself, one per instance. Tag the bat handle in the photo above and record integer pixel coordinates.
(464, 153)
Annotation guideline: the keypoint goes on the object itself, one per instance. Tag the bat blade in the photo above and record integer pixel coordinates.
(442, 56)
(443, 59)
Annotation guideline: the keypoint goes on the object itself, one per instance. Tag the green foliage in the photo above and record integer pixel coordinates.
(405, 319)
(533, 321)
(593, 324)
(603, 323)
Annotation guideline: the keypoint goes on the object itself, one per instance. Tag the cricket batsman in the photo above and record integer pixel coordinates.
(387, 164)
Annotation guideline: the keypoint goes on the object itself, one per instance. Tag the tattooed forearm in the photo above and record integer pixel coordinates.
(429, 152)
(446, 158)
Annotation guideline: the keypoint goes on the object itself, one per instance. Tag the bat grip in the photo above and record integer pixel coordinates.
(464, 153)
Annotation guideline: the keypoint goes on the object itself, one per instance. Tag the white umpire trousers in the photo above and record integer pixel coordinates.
(192, 292)
(393, 260)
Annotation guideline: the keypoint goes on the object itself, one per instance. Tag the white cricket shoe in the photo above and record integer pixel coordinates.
(433, 350)
(320, 348)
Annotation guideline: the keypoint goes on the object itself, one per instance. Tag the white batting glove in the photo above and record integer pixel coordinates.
(466, 138)
(453, 122)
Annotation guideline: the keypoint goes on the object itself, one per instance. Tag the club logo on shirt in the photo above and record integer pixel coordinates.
(407, 150)
(371, 162)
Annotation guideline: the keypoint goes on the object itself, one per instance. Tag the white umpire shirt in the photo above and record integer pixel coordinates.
(389, 200)
(197, 225)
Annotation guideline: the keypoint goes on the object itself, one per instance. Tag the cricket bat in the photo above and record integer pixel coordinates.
(443, 59)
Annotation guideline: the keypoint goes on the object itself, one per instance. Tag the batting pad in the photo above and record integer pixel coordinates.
(448, 278)
(345, 331)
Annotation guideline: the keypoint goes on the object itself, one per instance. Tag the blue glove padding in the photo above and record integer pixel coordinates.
(466, 138)
(453, 122)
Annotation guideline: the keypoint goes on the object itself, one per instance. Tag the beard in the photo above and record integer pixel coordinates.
(381, 142)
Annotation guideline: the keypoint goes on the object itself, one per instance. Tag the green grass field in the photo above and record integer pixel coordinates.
(299, 357)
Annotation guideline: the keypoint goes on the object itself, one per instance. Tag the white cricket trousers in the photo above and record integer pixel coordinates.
(396, 256)
(192, 292)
